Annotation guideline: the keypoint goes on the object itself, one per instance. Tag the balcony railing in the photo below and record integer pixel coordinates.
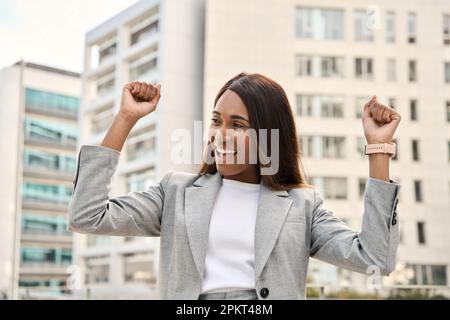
(46, 236)
(53, 111)
(46, 172)
(64, 141)
(327, 292)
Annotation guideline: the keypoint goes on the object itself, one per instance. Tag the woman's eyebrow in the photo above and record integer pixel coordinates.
(234, 116)
(239, 117)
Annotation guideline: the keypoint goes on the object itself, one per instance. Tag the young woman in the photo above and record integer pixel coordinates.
(230, 231)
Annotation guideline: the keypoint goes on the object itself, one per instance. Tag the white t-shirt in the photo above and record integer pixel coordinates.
(230, 256)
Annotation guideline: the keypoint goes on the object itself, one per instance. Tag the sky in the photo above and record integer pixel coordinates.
(51, 32)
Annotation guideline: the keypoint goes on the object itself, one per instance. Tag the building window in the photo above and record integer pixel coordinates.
(141, 144)
(49, 193)
(141, 180)
(360, 102)
(392, 103)
(364, 68)
(411, 29)
(314, 23)
(304, 65)
(418, 190)
(139, 268)
(107, 49)
(144, 28)
(331, 187)
(41, 224)
(323, 147)
(101, 120)
(143, 65)
(320, 106)
(448, 110)
(391, 70)
(362, 30)
(105, 84)
(446, 28)
(448, 147)
(390, 27)
(50, 132)
(427, 274)
(38, 256)
(38, 160)
(103, 50)
(413, 109)
(412, 71)
(97, 269)
(360, 146)
(332, 67)
(421, 232)
(97, 241)
(319, 66)
(447, 72)
(48, 101)
(362, 186)
(415, 150)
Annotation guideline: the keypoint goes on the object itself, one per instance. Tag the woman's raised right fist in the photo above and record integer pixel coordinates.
(139, 99)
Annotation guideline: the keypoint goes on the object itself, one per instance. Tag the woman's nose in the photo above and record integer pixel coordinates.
(224, 135)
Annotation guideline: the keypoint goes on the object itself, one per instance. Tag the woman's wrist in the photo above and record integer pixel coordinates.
(126, 119)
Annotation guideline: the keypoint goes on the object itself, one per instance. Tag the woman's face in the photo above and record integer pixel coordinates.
(229, 135)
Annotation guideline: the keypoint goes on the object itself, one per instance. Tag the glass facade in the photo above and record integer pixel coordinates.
(141, 144)
(323, 147)
(421, 274)
(43, 160)
(37, 255)
(363, 29)
(316, 23)
(144, 31)
(319, 66)
(40, 224)
(320, 106)
(49, 101)
(331, 187)
(142, 66)
(50, 132)
(49, 193)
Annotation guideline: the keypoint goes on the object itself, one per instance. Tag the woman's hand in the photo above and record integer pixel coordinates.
(379, 122)
(139, 99)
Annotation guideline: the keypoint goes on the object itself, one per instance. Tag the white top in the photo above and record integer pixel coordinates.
(230, 256)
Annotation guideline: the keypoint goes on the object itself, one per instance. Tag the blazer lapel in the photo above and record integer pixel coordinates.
(273, 207)
(199, 204)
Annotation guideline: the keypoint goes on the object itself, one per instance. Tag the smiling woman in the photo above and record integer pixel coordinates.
(254, 101)
(230, 231)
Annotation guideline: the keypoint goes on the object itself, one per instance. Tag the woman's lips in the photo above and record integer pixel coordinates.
(224, 155)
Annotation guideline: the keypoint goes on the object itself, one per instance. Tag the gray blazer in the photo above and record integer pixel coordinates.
(291, 226)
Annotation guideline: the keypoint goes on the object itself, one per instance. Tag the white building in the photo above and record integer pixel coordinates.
(156, 42)
(38, 136)
(331, 57)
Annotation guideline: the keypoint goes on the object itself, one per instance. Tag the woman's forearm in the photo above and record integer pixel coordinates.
(379, 166)
(118, 132)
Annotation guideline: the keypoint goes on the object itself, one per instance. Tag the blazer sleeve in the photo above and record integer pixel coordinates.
(375, 246)
(92, 211)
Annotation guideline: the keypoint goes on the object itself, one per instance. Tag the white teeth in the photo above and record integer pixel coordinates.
(225, 151)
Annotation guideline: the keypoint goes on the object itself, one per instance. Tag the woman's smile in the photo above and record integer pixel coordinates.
(224, 155)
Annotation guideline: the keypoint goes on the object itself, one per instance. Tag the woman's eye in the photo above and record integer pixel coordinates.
(239, 126)
(215, 121)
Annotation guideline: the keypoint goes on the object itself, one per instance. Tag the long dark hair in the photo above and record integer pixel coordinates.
(268, 108)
